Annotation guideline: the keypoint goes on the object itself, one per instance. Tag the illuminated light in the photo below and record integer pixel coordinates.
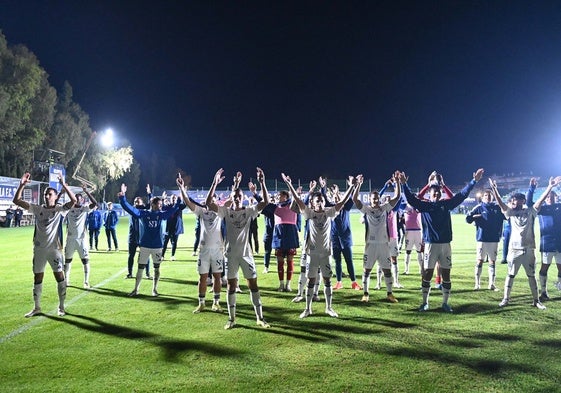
(107, 138)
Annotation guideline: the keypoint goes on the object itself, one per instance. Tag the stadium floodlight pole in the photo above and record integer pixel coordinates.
(107, 141)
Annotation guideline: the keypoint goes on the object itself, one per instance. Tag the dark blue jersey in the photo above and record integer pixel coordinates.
(435, 216)
(489, 226)
(550, 224)
(151, 223)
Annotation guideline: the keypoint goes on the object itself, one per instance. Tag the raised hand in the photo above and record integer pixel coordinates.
(252, 187)
(218, 176)
(477, 175)
(26, 178)
(260, 175)
(180, 182)
(553, 181)
(286, 178)
(322, 181)
(313, 185)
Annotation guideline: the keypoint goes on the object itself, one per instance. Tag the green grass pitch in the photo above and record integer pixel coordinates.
(109, 342)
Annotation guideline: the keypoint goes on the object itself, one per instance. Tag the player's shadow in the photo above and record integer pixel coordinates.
(171, 348)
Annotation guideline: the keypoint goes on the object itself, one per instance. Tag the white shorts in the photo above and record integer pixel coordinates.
(413, 239)
(233, 263)
(145, 253)
(487, 249)
(379, 252)
(318, 262)
(43, 255)
(394, 248)
(547, 257)
(517, 258)
(79, 245)
(210, 259)
(438, 252)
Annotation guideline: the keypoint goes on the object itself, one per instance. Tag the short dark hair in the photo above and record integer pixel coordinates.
(519, 196)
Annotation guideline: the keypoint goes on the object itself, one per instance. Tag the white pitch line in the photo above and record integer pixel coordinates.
(35, 320)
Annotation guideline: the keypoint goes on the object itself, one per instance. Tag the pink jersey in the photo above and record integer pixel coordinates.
(392, 225)
(412, 219)
(284, 215)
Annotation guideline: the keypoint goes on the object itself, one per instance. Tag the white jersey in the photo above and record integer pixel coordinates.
(522, 228)
(237, 229)
(318, 240)
(211, 225)
(47, 222)
(376, 223)
(76, 222)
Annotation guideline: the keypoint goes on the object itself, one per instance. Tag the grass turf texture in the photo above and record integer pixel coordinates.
(109, 342)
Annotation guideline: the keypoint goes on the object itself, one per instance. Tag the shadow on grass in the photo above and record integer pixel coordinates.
(163, 298)
(549, 343)
(484, 366)
(172, 348)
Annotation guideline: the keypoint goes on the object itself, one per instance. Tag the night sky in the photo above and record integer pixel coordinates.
(312, 88)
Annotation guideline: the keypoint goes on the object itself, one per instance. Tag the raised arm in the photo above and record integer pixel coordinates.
(358, 181)
(237, 181)
(397, 189)
(127, 206)
(71, 195)
(350, 190)
(218, 177)
(261, 179)
(183, 190)
(25, 179)
(295, 195)
(93, 202)
(531, 188)
(553, 181)
(494, 188)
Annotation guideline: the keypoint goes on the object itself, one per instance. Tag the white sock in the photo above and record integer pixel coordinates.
(257, 306)
(37, 292)
(61, 287)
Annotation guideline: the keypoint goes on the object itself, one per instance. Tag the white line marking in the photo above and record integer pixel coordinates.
(35, 320)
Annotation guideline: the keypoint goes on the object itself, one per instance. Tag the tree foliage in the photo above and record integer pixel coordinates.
(26, 107)
(33, 119)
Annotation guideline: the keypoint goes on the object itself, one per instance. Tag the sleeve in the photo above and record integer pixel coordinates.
(530, 196)
(412, 199)
(457, 199)
(128, 208)
(469, 216)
